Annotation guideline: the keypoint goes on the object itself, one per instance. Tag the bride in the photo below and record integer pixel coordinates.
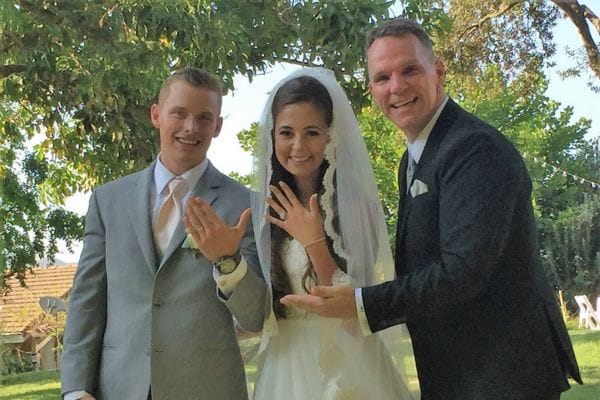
(322, 224)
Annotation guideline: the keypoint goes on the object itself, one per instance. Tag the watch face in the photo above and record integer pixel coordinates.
(227, 266)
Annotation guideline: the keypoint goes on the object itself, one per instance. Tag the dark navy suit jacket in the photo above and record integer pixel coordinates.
(483, 319)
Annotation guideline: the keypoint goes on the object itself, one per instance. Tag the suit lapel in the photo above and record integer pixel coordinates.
(206, 188)
(142, 216)
(438, 133)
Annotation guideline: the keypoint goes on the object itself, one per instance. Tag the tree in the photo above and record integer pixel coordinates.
(581, 15)
(571, 250)
(517, 34)
(77, 79)
(385, 146)
(570, 234)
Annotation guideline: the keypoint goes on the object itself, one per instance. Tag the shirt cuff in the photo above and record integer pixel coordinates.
(75, 395)
(360, 312)
(227, 282)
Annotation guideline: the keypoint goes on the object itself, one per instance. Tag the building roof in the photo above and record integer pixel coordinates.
(20, 306)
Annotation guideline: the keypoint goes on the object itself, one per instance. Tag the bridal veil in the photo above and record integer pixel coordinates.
(361, 237)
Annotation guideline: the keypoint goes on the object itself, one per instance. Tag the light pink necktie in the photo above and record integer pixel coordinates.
(169, 215)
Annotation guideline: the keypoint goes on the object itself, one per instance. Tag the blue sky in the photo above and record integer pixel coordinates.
(574, 91)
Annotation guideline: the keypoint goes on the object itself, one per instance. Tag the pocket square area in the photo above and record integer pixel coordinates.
(418, 187)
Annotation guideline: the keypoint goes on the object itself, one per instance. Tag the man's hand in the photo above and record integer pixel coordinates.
(327, 301)
(214, 238)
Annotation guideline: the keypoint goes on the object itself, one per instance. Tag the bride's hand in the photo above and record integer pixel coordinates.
(303, 225)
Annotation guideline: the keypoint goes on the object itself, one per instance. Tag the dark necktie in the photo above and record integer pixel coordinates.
(410, 171)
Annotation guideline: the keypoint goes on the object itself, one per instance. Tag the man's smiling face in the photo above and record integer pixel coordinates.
(405, 80)
(188, 119)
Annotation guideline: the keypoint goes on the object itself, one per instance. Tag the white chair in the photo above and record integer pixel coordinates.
(587, 316)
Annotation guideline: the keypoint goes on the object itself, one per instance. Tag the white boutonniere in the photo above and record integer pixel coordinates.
(190, 243)
(418, 188)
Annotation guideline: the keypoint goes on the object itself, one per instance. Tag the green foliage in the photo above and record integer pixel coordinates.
(571, 249)
(385, 145)
(516, 36)
(30, 229)
(77, 80)
(248, 140)
(15, 361)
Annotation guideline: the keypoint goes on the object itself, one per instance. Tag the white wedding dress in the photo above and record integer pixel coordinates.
(316, 358)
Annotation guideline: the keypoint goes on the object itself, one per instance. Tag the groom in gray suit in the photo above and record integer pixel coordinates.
(148, 318)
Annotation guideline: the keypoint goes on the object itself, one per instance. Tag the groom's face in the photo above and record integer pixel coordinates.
(188, 119)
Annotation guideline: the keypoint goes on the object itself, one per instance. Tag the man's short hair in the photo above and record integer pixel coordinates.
(399, 27)
(195, 77)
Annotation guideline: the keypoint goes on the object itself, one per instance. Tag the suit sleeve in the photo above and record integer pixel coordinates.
(480, 184)
(87, 309)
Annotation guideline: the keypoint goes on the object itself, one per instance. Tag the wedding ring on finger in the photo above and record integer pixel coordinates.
(282, 215)
(199, 228)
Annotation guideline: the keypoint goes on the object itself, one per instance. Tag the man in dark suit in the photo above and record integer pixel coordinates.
(469, 282)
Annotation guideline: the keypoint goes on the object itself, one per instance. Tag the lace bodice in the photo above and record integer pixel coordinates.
(295, 261)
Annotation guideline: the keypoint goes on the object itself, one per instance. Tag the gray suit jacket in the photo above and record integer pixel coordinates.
(137, 322)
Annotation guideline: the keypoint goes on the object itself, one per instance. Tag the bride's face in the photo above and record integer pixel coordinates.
(301, 134)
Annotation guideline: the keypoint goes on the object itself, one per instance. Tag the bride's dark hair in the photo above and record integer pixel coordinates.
(302, 89)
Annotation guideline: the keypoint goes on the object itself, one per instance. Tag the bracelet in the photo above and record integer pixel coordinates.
(307, 245)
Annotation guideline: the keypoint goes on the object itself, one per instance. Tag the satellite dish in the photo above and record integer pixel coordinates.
(52, 305)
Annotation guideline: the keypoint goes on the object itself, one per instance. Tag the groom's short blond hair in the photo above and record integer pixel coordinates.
(195, 77)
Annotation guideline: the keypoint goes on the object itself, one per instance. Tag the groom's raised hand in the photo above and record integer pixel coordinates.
(327, 301)
(213, 237)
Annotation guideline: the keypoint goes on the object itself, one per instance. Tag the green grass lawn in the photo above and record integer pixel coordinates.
(587, 351)
(45, 385)
(42, 385)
